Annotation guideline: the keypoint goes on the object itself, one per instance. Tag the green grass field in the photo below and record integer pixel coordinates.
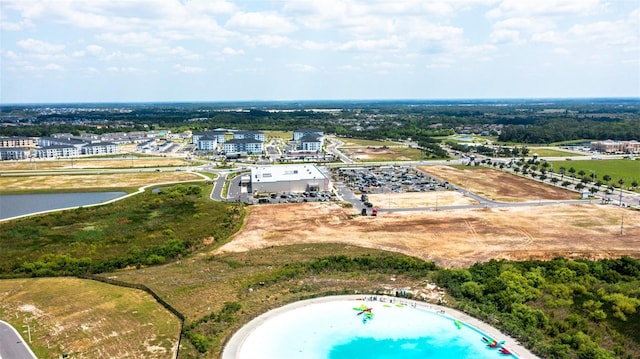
(396, 154)
(286, 135)
(358, 142)
(628, 170)
(547, 152)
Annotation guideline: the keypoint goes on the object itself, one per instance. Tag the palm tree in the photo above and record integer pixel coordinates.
(598, 184)
(581, 173)
(606, 178)
(634, 184)
(572, 171)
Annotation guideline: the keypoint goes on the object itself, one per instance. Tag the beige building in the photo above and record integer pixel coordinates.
(610, 146)
(17, 142)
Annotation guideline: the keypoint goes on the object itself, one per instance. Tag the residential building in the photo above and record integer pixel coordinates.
(310, 143)
(207, 143)
(17, 142)
(101, 148)
(56, 151)
(13, 153)
(53, 141)
(298, 134)
(310, 139)
(256, 135)
(218, 135)
(246, 145)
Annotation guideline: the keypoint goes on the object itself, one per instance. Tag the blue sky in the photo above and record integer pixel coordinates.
(219, 50)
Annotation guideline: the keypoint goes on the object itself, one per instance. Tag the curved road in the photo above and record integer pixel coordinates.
(12, 346)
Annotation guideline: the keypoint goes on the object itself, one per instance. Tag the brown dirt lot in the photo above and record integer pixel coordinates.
(419, 199)
(369, 153)
(91, 163)
(453, 237)
(497, 185)
(84, 181)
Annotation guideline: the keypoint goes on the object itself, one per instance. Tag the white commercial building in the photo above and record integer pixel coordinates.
(288, 178)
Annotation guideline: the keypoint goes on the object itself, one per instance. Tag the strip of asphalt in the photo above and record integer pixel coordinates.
(12, 346)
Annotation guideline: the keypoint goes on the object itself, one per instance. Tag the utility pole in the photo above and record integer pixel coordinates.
(28, 331)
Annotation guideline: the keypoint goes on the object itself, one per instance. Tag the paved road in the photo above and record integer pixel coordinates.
(12, 346)
(216, 194)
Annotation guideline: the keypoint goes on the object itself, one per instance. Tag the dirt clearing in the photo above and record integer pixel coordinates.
(108, 180)
(451, 237)
(419, 199)
(499, 186)
(80, 163)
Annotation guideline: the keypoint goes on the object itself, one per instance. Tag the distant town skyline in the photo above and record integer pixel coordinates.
(65, 51)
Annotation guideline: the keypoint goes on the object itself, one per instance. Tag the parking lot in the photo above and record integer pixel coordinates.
(291, 197)
(396, 179)
(356, 184)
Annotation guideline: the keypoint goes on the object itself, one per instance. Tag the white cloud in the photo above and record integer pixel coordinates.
(561, 51)
(528, 8)
(269, 22)
(124, 69)
(268, 41)
(189, 69)
(548, 36)
(123, 56)
(301, 68)
(505, 36)
(392, 43)
(37, 46)
(178, 51)
(95, 50)
(133, 39)
(211, 6)
(232, 52)
(53, 67)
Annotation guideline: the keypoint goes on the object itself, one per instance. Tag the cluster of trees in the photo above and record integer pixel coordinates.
(563, 129)
(560, 308)
(51, 264)
(212, 324)
(408, 266)
(498, 151)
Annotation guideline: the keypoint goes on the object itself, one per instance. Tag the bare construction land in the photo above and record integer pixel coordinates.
(452, 238)
(88, 181)
(499, 186)
(419, 199)
(456, 237)
(81, 163)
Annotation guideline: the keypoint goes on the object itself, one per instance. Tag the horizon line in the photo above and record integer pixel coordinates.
(355, 100)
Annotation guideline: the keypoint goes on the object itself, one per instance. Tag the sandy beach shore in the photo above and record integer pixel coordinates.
(234, 348)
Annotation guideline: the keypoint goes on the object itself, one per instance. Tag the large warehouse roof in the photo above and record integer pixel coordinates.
(266, 174)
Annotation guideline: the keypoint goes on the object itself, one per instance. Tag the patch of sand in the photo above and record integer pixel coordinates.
(419, 199)
(450, 238)
(498, 185)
